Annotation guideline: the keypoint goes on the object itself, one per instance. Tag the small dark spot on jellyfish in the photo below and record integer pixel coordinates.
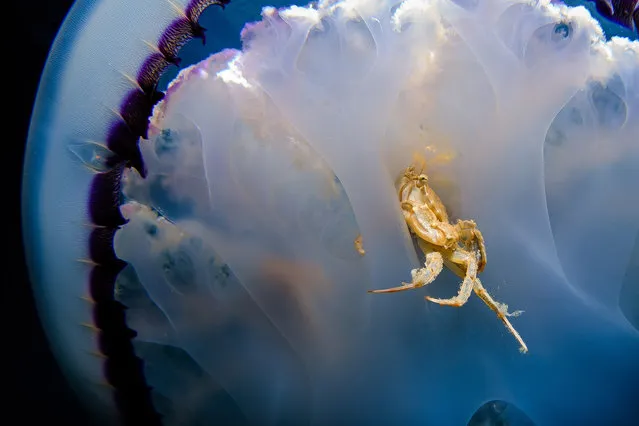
(561, 31)
(555, 137)
(220, 272)
(179, 269)
(565, 121)
(499, 413)
(151, 229)
(196, 243)
(609, 107)
(616, 85)
(166, 143)
(575, 116)
(226, 271)
(549, 38)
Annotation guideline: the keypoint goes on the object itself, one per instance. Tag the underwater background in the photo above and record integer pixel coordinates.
(37, 386)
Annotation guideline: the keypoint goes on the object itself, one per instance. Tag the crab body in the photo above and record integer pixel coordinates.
(459, 247)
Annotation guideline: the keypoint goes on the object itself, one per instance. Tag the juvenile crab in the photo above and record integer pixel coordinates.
(460, 247)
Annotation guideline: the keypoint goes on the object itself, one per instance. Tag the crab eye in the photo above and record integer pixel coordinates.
(205, 233)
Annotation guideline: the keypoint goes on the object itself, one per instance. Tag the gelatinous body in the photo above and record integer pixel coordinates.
(238, 211)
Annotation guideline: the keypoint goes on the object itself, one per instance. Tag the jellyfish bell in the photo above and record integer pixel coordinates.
(93, 124)
(207, 251)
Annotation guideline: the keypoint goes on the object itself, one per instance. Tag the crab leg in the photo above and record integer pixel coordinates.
(432, 267)
(466, 287)
(472, 283)
(501, 310)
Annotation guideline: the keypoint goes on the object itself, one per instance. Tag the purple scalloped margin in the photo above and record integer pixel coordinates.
(123, 370)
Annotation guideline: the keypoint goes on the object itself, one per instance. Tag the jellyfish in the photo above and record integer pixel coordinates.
(202, 254)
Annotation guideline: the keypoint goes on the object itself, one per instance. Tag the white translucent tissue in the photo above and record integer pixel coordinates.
(274, 159)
